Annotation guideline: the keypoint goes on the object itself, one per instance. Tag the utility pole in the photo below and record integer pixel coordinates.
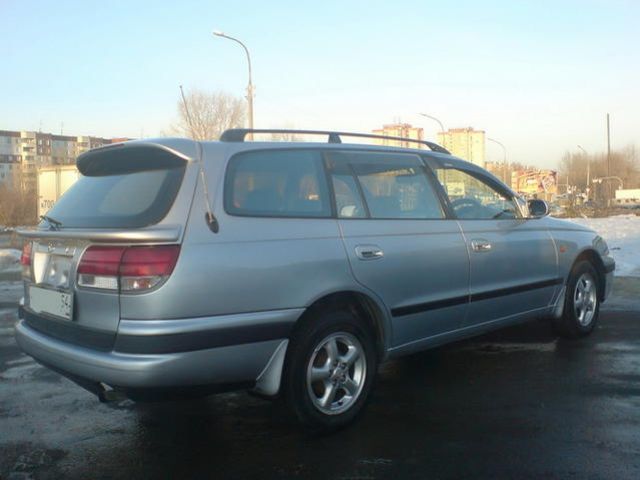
(505, 165)
(608, 160)
(608, 147)
(587, 188)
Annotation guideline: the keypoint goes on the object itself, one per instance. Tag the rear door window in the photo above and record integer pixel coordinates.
(277, 183)
(394, 186)
(128, 200)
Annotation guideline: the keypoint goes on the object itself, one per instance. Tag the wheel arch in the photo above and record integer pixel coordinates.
(593, 257)
(367, 308)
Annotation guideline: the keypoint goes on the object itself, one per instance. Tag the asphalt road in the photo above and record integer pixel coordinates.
(519, 403)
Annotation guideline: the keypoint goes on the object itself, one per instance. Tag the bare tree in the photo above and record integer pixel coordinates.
(17, 204)
(286, 137)
(624, 164)
(211, 114)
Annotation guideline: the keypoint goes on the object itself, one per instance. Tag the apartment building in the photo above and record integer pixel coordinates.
(10, 155)
(404, 130)
(466, 143)
(23, 152)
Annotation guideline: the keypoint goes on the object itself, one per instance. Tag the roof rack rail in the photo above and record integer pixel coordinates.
(239, 134)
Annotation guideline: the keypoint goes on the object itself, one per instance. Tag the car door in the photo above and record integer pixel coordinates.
(513, 264)
(399, 242)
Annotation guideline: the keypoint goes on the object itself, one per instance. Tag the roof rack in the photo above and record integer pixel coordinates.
(239, 134)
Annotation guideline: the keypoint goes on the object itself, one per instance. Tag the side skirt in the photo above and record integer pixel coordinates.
(467, 332)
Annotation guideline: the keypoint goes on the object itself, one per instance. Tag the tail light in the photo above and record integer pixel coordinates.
(128, 269)
(25, 260)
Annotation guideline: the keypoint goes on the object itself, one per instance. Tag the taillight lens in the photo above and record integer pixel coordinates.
(25, 260)
(145, 267)
(99, 267)
(126, 268)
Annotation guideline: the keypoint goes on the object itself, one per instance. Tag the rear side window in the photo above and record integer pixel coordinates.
(128, 200)
(277, 183)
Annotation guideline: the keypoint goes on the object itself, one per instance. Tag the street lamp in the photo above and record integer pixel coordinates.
(504, 151)
(588, 168)
(218, 33)
(433, 118)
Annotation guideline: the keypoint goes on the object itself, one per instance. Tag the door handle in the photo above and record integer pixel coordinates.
(369, 252)
(480, 245)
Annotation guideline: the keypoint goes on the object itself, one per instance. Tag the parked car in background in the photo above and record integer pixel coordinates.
(292, 269)
(556, 210)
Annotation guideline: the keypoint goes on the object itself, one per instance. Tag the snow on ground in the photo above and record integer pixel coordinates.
(9, 260)
(622, 233)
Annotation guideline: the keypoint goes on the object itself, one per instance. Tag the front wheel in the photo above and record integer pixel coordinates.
(582, 302)
(330, 370)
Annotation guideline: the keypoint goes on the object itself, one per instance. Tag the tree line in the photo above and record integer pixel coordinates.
(623, 163)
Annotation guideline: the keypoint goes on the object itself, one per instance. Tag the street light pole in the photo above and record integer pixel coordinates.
(504, 151)
(433, 118)
(250, 85)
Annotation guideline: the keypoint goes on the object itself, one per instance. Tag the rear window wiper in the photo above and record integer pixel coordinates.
(55, 224)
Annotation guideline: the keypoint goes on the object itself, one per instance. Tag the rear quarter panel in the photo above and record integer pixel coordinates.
(252, 264)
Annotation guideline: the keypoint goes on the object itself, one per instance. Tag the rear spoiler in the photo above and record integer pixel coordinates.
(130, 157)
(164, 233)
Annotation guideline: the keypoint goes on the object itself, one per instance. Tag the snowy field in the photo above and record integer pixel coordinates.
(9, 260)
(622, 233)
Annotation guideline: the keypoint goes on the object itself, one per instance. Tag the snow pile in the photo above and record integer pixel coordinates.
(9, 260)
(622, 233)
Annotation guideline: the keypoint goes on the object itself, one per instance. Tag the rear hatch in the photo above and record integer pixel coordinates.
(116, 230)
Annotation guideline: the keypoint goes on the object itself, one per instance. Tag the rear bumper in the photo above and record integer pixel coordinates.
(163, 359)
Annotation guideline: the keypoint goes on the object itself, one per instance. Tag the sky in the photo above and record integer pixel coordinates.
(539, 76)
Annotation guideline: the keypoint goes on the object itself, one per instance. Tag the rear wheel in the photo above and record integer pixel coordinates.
(582, 302)
(330, 370)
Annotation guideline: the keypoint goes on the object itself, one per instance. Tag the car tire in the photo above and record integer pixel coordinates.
(581, 303)
(329, 371)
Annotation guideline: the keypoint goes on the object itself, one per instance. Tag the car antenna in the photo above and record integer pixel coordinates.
(210, 218)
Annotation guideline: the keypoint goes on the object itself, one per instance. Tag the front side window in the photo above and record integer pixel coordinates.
(277, 183)
(473, 198)
(394, 186)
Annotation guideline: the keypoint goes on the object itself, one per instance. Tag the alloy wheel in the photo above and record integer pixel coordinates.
(585, 299)
(336, 373)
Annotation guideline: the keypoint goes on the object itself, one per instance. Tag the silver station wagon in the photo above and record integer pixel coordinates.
(289, 269)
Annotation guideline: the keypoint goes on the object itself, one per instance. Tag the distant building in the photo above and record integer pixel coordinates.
(10, 155)
(466, 143)
(404, 130)
(542, 184)
(629, 197)
(22, 153)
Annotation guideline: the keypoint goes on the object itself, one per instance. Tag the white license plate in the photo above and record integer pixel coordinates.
(52, 302)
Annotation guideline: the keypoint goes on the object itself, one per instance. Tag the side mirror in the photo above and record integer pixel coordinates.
(537, 208)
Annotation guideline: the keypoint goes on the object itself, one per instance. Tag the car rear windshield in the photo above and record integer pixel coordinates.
(129, 200)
